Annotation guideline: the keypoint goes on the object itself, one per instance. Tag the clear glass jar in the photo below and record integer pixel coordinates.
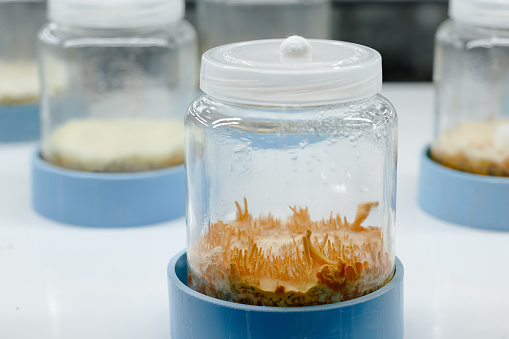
(220, 22)
(291, 174)
(471, 75)
(19, 23)
(117, 78)
(366, 22)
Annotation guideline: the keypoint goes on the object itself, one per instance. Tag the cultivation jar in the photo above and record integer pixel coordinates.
(471, 75)
(19, 23)
(221, 22)
(291, 174)
(117, 77)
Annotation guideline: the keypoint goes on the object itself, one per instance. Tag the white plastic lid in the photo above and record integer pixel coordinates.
(1, 1)
(489, 13)
(115, 13)
(291, 72)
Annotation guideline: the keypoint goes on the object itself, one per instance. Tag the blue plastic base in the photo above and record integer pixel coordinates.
(107, 199)
(194, 315)
(463, 198)
(19, 123)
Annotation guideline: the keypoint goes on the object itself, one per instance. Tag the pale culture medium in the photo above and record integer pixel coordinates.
(19, 82)
(291, 182)
(128, 73)
(471, 75)
(116, 145)
(480, 147)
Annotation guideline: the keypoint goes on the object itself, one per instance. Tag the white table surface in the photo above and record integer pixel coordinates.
(61, 281)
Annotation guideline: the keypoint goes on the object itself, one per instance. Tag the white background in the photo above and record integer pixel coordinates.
(61, 281)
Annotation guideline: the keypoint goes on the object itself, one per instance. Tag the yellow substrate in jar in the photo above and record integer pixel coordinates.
(267, 261)
(480, 147)
(116, 145)
(19, 82)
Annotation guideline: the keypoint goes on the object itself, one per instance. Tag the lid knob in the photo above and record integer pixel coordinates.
(295, 49)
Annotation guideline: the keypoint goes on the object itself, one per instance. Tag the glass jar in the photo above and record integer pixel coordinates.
(117, 77)
(291, 174)
(471, 75)
(366, 22)
(220, 22)
(19, 23)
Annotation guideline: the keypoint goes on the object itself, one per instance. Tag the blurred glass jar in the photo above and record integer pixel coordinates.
(471, 75)
(19, 23)
(366, 23)
(296, 131)
(220, 22)
(117, 77)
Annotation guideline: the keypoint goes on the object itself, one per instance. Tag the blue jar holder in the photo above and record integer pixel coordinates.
(194, 315)
(19, 123)
(107, 199)
(463, 198)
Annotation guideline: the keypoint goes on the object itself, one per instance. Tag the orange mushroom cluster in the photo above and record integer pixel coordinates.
(267, 261)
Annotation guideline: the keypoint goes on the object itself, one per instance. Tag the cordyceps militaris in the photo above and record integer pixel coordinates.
(292, 262)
